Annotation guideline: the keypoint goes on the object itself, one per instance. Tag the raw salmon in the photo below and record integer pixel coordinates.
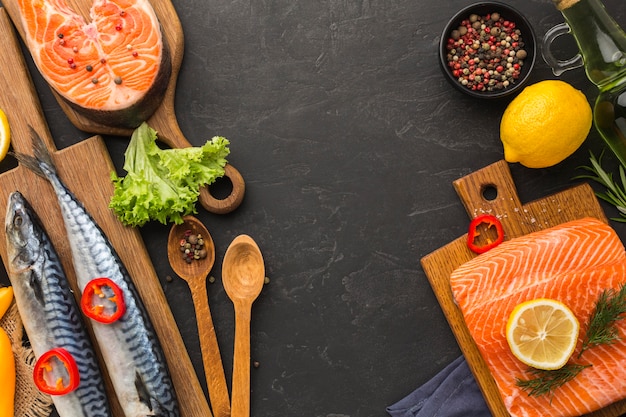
(114, 69)
(572, 263)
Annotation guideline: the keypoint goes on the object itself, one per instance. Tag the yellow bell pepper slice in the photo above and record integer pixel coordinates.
(6, 297)
(7, 361)
(7, 376)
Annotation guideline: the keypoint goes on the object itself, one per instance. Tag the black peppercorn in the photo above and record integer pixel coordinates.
(486, 53)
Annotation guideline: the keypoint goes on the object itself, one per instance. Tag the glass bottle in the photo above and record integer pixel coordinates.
(602, 46)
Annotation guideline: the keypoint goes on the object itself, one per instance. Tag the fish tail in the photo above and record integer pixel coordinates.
(41, 163)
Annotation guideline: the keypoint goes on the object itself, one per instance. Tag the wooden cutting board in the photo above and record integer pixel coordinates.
(492, 190)
(164, 118)
(85, 168)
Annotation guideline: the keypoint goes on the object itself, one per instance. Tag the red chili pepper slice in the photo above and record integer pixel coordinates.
(56, 372)
(473, 233)
(103, 301)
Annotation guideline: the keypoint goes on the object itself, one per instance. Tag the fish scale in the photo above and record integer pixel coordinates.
(130, 348)
(38, 281)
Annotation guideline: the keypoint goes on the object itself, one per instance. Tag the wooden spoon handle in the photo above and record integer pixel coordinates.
(241, 362)
(211, 358)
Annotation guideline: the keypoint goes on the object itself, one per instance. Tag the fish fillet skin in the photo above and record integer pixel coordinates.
(113, 69)
(572, 263)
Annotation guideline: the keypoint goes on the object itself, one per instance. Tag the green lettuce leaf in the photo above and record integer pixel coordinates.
(164, 184)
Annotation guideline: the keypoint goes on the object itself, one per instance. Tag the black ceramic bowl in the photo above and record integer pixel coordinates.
(499, 89)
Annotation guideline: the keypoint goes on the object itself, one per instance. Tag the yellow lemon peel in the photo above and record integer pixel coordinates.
(544, 124)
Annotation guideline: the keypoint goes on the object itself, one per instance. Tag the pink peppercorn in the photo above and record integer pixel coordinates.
(476, 48)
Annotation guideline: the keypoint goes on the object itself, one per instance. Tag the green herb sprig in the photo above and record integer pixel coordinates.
(615, 193)
(601, 329)
(547, 381)
(164, 184)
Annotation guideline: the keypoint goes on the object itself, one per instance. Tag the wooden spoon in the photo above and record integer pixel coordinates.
(195, 274)
(243, 274)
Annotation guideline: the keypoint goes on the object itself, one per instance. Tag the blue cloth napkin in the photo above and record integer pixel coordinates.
(453, 392)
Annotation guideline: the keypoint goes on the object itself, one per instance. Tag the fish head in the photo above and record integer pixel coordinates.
(23, 233)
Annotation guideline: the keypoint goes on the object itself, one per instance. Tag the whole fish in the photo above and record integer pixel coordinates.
(130, 348)
(48, 309)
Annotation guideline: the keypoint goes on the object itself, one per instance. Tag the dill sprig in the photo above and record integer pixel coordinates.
(545, 382)
(615, 193)
(602, 329)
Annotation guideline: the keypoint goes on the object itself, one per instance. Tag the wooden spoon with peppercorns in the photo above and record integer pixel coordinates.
(191, 254)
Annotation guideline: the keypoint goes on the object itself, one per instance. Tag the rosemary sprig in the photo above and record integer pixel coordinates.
(601, 329)
(615, 193)
(545, 382)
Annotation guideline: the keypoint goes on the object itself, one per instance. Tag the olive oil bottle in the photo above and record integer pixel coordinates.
(602, 46)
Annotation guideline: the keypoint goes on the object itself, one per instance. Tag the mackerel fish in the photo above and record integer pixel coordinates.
(48, 309)
(130, 348)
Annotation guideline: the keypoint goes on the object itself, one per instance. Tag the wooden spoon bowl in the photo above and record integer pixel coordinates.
(200, 268)
(243, 270)
(243, 275)
(195, 273)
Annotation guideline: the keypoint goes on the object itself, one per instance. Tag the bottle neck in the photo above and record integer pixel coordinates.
(600, 40)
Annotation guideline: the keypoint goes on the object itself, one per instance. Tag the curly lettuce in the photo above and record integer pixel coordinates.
(164, 184)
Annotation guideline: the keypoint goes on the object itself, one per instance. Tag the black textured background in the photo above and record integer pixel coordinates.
(349, 139)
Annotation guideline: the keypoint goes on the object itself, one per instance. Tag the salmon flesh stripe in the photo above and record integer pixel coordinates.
(114, 69)
(48, 309)
(510, 267)
(130, 348)
(572, 263)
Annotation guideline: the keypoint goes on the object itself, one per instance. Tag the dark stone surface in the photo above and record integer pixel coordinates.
(349, 139)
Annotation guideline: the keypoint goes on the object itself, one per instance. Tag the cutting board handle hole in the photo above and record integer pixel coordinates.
(490, 192)
(222, 188)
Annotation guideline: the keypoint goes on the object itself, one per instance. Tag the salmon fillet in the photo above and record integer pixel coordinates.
(113, 69)
(572, 263)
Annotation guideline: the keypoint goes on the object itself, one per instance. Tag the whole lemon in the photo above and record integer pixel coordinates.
(544, 124)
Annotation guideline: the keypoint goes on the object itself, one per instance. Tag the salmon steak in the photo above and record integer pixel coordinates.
(114, 69)
(572, 263)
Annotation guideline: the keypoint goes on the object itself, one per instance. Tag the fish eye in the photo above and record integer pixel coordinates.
(18, 221)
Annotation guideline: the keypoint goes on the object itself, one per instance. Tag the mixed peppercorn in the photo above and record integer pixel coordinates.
(71, 62)
(192, 247)
(486, 53)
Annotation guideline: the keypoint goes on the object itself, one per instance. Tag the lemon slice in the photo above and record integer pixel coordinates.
(542, 333)
(5, 135)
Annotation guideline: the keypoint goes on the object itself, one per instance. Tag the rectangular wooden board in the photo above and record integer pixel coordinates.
(475, 191)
